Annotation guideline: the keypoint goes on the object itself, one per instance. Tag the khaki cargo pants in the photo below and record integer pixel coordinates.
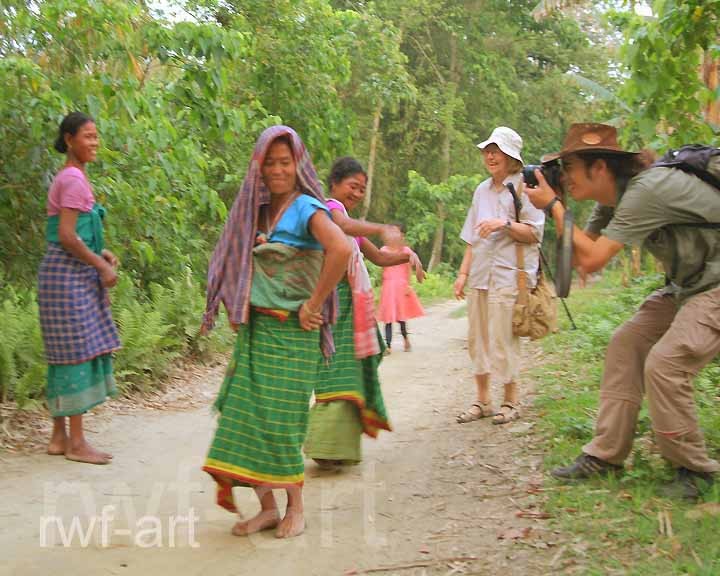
(658, 351)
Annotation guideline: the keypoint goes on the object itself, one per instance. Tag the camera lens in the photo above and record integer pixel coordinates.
(529, 174)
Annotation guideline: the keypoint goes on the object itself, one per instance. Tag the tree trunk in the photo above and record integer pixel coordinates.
(710, 76)
(371, 160)
(451, 85)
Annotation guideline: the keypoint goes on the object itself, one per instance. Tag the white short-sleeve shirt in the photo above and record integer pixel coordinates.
(494, 259)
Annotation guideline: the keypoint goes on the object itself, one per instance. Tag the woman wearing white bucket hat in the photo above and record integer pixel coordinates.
(488, 273)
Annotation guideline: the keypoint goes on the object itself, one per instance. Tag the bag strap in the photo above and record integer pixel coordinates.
(522, 277)
(516, 201)
(522, 280)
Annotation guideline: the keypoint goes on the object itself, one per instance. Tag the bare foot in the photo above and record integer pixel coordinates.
(56, 447)
(264, 520)
(293, 524)
(86, 453)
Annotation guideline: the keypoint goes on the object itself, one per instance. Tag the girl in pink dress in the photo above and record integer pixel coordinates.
(398, 301)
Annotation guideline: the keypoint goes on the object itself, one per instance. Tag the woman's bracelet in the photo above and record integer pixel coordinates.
(461, 273)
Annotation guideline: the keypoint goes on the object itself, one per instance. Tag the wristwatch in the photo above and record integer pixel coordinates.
(549, 207)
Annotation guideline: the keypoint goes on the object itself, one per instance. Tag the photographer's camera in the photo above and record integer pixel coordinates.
(550, 170)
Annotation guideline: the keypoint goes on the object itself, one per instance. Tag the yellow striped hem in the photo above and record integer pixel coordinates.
(329, 396)
(240, 471)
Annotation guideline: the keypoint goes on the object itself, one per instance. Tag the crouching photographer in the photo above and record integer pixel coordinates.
(676, 331)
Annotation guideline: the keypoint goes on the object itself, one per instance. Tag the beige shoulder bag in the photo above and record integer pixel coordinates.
(535, 311)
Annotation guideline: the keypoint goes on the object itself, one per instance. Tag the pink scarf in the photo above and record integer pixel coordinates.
(363, 301)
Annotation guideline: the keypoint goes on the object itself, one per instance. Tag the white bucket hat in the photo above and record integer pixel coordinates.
(507, 140)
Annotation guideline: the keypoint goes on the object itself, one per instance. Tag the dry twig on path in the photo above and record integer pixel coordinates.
(420, 564)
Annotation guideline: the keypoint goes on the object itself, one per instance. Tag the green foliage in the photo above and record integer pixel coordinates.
(665, 90)
(161, 327)
(471, 74)
(419, 211)
(148, 345)
(437, 286)
(615, 521)
(22, 365)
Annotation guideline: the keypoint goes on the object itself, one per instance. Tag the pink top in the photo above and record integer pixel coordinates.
(333, 204)
(70, 189)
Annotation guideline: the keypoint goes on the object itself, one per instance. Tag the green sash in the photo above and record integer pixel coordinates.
(89, 228)
(283, 276)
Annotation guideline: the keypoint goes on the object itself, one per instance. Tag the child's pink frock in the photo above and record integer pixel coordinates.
(396, 301)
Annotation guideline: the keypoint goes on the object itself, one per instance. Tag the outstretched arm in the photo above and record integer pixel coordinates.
(382, 258)
(353, 227)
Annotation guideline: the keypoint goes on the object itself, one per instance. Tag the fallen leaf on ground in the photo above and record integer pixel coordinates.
(514, 533)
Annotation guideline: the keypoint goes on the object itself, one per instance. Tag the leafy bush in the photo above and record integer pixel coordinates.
(22, 363)
(436, 286)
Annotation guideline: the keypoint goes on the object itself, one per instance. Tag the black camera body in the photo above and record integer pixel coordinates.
(550, 170)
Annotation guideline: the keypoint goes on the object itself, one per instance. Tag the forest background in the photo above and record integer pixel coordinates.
(409, 87)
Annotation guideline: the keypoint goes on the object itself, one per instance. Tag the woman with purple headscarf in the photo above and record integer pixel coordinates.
(274, 268)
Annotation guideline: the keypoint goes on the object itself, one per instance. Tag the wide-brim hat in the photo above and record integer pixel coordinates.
(589, 137)
(507, 140)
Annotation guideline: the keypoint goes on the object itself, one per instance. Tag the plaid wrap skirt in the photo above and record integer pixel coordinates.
(75, 316)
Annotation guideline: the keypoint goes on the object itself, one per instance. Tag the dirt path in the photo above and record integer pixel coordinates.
(432, 497)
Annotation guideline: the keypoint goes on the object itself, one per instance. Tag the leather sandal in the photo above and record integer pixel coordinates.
(477, 411)
(510, 413)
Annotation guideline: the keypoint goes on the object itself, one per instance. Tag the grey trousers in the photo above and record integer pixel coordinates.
(658, 352)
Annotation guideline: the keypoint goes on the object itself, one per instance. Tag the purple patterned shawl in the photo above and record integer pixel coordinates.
(230, 270)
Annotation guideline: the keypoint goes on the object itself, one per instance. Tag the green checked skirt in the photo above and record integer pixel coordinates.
(263, 405)
(348, 397)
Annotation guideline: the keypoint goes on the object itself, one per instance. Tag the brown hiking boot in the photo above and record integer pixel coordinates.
(585, 467)
(688, 485)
